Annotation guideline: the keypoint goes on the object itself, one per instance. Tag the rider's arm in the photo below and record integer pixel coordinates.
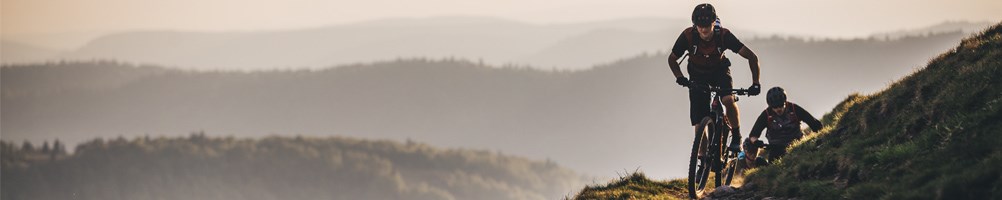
(681, 45)
(756, 129)
(732, 43)
(808, 118)
(752, 62)
(673, 64)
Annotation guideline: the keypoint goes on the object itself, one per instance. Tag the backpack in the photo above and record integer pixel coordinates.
(792, 120)
(710, 55)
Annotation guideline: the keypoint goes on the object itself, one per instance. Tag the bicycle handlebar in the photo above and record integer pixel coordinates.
(739, 91)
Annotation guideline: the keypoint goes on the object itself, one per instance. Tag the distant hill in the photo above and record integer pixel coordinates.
(15, 52)
(451, 103)
(944, 27)
(930, 135)
(447, 103)
(494, 40)
(201, 167)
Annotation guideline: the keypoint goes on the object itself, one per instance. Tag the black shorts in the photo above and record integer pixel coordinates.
(699, 101)
(779, 142)
(777, 150)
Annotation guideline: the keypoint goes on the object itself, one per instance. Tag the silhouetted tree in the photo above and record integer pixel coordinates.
(27, 147)
(58, 148)
(7, 146)
(296, 167)
(45, 147)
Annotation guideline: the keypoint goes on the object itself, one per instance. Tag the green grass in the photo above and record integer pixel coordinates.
(934, 134)
(636, 186)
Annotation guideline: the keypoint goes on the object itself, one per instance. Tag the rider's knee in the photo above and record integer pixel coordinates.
(747, 144)
(728, 100)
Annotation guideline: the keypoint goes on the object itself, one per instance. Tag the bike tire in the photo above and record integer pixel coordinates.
(729, 171)
(718, 152)
(704, 173)
(697, 173)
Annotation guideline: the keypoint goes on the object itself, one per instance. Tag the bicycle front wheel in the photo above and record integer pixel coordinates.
(698, 173)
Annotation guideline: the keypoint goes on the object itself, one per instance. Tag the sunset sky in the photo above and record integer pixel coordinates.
(843, 18)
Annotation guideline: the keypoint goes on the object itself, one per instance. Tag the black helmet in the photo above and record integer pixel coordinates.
(704, 15)
(776, 97)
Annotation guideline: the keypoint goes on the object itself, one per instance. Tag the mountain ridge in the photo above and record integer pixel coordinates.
(494, 40)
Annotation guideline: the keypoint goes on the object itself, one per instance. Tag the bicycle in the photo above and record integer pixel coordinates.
(714, 127)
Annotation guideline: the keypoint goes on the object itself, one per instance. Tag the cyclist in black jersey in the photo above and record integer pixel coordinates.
(706, 44)
(782, 124)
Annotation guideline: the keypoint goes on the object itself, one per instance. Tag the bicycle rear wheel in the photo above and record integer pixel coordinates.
(729, 171)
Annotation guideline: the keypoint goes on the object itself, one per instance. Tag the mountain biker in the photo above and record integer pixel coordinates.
(782, 122)
(706, 44)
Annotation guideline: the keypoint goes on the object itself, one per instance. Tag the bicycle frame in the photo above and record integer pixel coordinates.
(710, 137)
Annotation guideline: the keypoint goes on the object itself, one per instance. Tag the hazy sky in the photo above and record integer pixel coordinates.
(841, 18)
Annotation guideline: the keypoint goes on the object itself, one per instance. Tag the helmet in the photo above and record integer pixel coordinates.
(776, 97)
(704, 15)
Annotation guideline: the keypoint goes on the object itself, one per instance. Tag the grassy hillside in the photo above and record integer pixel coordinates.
(931, 135)
(200, 167)
(636, 186)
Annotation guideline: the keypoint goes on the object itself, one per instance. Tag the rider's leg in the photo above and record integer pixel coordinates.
(699, 108)
(750, 153)
(733, 116)
(777, 151)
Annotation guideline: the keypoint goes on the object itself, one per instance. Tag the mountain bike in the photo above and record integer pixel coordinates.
(710, 138)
